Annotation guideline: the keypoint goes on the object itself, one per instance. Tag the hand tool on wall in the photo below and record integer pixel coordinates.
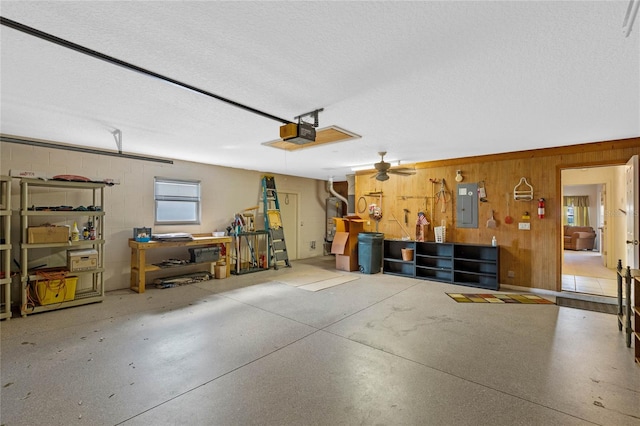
(406, 216)
(508, 219)
(393, 217)
(433, 195)
(442, 196)
(482, 192)
(491, 223)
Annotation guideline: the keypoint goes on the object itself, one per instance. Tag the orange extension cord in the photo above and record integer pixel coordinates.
(47, 278)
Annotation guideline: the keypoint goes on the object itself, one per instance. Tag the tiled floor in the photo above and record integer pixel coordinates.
(590, 285)
(251, 350)
(584, 272)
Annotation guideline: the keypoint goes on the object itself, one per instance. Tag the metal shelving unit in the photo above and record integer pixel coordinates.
(5, 247)
(33, 191)
(250, 253)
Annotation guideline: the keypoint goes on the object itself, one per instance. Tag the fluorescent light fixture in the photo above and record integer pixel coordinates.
(360, 168)
(393, 163)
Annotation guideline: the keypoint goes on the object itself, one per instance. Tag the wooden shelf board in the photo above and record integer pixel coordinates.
(81, 299)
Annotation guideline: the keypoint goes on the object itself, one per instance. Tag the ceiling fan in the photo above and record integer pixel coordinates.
(383, 169)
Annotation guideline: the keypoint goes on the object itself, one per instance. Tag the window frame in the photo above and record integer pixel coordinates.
(197, 200)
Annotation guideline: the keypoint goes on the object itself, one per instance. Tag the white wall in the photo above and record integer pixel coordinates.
(225, 191)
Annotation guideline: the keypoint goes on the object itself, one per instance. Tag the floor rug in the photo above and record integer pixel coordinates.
(331, 282)
(316, 280)
(606, 308)
(528, 299)
(300, 278)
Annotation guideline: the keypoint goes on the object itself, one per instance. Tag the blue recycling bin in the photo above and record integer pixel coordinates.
(370, 252)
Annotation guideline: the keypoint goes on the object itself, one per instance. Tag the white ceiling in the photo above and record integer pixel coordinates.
(422, 80)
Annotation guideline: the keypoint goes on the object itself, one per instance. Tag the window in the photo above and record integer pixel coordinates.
(570, 215)
(177, 201)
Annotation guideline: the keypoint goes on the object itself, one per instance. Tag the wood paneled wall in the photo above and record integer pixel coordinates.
(535, 255)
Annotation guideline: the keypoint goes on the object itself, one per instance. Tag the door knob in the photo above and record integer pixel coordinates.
(634, 242)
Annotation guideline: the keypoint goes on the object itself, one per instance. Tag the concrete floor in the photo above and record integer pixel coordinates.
(250, 350)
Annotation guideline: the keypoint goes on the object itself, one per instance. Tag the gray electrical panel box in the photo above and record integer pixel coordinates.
(467, 205)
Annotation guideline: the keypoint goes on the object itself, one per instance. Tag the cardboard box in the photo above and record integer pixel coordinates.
(47, 234)
(339, 244)
(82, 260)
(220, 271)
(56, 291)
(344, 263)
(345, 242)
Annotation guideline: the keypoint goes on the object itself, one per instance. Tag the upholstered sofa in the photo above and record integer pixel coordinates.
(579, 237)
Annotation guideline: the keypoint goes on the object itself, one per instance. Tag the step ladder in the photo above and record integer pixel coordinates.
(273, 223)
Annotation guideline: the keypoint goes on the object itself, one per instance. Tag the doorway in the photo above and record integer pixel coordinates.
(589, 220)
(289, 216)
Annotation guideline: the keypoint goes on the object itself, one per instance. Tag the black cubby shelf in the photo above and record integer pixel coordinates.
(434, 261)
(392, 261)
(464, 264)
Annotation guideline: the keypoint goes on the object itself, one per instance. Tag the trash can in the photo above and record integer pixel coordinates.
(370, 252)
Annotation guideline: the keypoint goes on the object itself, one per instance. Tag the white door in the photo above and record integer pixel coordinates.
(289, 215)
(602, 224)
(633, 211)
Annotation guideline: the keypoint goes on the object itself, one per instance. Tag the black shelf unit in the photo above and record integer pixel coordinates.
(434, 261)
(476, 266)
(392, 262)
(465, 264)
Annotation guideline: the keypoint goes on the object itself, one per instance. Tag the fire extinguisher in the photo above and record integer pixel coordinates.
(541, 208)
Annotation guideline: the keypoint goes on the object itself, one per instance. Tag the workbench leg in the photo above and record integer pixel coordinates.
(227, 256)
(138, 260)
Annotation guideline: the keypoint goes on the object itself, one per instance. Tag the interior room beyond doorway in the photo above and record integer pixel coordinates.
(588, 263)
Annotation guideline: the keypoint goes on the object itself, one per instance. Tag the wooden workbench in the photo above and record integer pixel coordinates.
(139, 267)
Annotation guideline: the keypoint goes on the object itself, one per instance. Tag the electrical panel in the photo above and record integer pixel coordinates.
(467, 205)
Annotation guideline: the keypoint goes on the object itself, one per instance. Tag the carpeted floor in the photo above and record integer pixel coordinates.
(585, 264)
(525, 299)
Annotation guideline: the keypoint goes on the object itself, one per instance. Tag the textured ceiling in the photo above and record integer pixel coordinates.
(421, 80)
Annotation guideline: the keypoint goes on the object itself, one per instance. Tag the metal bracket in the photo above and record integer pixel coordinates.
(117, 135)
(313, 114)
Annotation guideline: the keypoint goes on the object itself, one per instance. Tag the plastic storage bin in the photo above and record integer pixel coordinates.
(49, 292)
(370, 252)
